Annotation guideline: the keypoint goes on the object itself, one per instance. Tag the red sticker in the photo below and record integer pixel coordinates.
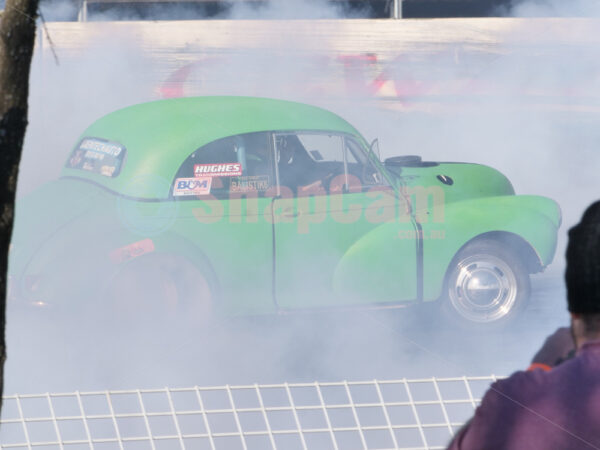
(131, 251)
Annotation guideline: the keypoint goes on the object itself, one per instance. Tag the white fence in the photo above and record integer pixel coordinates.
(399, 414)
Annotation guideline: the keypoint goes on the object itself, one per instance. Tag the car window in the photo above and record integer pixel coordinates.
(306, 162)
(97, 156)
(325, 147)
(240, 164)
(322, 163)
(369, 174)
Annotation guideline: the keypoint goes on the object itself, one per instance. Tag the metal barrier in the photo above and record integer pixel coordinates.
(378, 414)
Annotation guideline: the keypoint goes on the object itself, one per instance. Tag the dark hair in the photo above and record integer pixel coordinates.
(591, 324)
(582, 275)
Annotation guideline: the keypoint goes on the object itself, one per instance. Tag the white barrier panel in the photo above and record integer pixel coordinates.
(405, 62)
(354, 35)
(388, 414)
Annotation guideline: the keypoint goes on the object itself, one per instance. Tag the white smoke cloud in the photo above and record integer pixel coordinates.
(534, 120)
(59, 10)
(275, 10)
(78, 90)
(292, 9)
(555, 8)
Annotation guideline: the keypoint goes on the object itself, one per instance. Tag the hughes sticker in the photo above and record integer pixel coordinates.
(192, 186)
(218, 170)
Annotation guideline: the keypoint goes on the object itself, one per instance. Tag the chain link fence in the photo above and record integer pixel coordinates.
(379, 414)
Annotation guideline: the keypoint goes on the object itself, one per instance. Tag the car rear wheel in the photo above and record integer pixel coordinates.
(487, 285)
(159, 292)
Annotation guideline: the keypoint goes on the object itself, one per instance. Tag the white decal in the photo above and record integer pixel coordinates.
(100, 146)
(192, 186)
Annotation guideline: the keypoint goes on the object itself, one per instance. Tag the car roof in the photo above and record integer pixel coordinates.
(160, 135)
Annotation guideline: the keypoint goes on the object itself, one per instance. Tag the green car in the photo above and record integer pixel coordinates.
(238, 205)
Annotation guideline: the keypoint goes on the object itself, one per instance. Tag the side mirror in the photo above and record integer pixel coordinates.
(374, 148)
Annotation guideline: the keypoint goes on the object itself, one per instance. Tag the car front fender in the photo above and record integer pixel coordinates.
(527, 223)
(381, 266)
(407, 260)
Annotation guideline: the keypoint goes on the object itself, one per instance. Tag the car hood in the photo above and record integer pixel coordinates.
(458, 181)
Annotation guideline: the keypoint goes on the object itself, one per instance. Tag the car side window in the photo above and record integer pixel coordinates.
(232, 166)
(364, 168)
(319, 163)
(308, 161)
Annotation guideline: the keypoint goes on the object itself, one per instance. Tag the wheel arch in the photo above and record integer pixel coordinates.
(110, 253)
(174, 244)
(515, 243)
(527, 224)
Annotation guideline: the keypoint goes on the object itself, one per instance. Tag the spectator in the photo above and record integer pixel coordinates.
(555, 405)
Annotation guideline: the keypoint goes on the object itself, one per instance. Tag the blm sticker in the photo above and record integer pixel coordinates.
(192, 186)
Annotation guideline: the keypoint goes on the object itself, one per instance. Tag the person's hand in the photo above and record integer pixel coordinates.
(557, 347)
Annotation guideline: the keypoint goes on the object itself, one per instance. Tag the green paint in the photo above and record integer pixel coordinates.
(357, 248)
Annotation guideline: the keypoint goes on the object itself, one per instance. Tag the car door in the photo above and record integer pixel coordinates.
(223, 190)
(330, 198)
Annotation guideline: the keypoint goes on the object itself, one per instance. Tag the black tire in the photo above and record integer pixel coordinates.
(158, 292)
(487, 286)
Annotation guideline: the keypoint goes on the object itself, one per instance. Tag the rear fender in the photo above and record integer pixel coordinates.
(71, 269)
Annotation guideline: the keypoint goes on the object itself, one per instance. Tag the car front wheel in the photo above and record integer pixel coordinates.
(487, 285)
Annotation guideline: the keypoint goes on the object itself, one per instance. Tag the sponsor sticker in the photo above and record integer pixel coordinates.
(131, 251)
(98, 156)
(218, 170)
(107, 148)
(76, 158)
(250, 184)
(192, 186)
(107, 171)
(91, 154)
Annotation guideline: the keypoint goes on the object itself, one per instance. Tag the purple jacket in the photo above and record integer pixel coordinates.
(538, 410)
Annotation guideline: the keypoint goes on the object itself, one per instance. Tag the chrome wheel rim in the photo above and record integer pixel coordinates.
(484, 290)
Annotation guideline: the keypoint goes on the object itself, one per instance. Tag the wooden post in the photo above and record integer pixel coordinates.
(17, 39)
